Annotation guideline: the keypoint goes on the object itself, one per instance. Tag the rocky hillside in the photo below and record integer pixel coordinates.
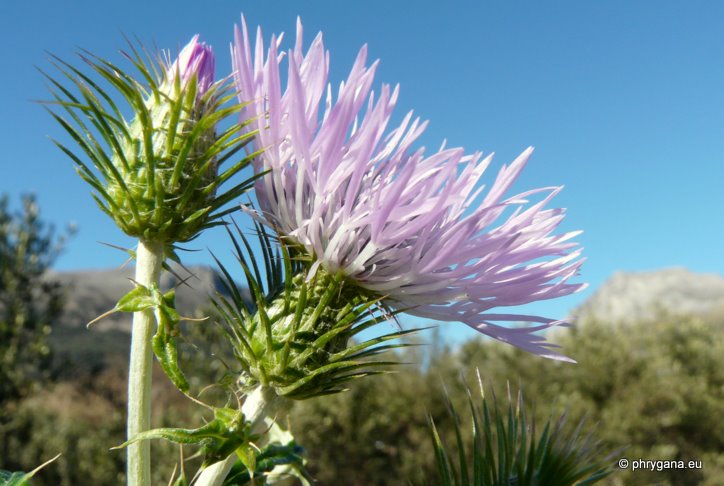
(632, 296)
(90, 293)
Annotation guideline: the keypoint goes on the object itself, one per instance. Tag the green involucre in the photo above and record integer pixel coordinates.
(295, 335)
(158, 176)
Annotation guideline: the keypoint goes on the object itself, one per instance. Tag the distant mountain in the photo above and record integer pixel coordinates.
(632, 296)
(90, 293)
(624, 298)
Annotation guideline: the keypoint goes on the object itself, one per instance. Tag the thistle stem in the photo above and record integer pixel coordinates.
(149, 260)
(256, 408)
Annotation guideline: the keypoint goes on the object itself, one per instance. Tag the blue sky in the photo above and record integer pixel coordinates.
(624, 102)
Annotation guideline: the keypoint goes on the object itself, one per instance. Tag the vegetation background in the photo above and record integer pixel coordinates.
(654, 387)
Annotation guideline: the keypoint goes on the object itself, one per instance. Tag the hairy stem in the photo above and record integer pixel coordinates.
(256, 407)
(149, 259)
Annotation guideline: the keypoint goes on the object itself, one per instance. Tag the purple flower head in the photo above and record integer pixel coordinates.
(196, 58)
(418, 229)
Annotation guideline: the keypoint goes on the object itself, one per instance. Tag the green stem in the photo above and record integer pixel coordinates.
(149, 260)
(257, 406)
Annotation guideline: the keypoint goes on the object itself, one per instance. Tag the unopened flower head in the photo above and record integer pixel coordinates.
(416, 228)
(156, 175)
(172, 109)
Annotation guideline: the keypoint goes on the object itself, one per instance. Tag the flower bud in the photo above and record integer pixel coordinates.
(195, 60)
(158, 174)
(164, 163)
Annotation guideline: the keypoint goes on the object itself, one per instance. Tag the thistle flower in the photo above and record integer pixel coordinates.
(156, 175)
(413, 228)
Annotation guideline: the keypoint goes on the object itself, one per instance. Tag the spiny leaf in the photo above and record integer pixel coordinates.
(266, 460)
(521, 457)
(8, 478)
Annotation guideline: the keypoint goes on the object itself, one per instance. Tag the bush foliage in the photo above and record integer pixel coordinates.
(653, 388)
(28, 301)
